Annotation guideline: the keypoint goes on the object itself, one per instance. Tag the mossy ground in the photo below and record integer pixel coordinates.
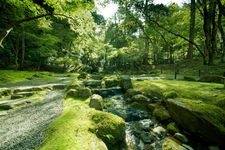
(74, 129)
(71, 130)
(9, 76)
(207, 92)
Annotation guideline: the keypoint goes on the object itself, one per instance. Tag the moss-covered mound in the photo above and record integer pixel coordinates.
(204, 120)
(109, 128)
(71, 130)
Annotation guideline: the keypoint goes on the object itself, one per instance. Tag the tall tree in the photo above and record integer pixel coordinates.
(191, 30)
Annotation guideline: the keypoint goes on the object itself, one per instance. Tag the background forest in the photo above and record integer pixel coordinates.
(70, 35)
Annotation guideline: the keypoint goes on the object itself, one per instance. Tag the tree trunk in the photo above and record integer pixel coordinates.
(15, 47)
(210, 30)
(221, 31)
(191, 30)
(23, 49)
(145, 57)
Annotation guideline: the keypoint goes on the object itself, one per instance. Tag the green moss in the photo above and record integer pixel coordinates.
(16, 76)
(108, 127)
(161, 114)
(206, 92)
(221, 104)
(172, 128)
(111, 82)
(71, 129)
(204, 120)
(170, 94)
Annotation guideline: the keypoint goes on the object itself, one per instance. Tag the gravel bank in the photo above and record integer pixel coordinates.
(24, 129)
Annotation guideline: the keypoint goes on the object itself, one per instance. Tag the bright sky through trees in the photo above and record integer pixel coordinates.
(110, 9)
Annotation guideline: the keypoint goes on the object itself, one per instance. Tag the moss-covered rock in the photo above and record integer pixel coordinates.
(96, 101)
(204, 120)
(93, 83)
(161, 114)
(81, 92)
(140, 99)
(170, 94)
(153, 92)
(108, 127)
(111, 82)
(172, 144)
(214, 79)
(125, 83)
(172, 128)
(131, 92)
(75, 86)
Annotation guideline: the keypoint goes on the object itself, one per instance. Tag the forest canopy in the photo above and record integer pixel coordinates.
(70, 35)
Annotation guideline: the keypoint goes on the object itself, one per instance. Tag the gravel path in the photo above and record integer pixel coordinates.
(24, 129)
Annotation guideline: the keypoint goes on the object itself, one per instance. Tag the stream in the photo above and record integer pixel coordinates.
(141, 132)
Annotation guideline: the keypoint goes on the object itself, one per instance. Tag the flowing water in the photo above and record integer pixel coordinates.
(139, 133)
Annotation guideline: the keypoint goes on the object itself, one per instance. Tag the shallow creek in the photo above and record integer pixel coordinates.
(142, 132)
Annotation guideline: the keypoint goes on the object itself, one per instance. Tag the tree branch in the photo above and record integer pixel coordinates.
(178, 35)
(6, 32)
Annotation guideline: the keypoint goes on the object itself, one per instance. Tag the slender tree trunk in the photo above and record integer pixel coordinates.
(145, 57)
(191, 30)
(23, 49)
(15, 47)
(221, 32)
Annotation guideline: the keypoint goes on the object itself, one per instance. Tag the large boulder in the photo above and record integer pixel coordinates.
(82, 92)
(108, 127)
(203, 120)
(96, 102)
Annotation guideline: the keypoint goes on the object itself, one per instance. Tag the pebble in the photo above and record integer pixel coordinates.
(159, 130)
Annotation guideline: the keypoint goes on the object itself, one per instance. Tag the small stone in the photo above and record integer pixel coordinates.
(181, 137)
(159, 130)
